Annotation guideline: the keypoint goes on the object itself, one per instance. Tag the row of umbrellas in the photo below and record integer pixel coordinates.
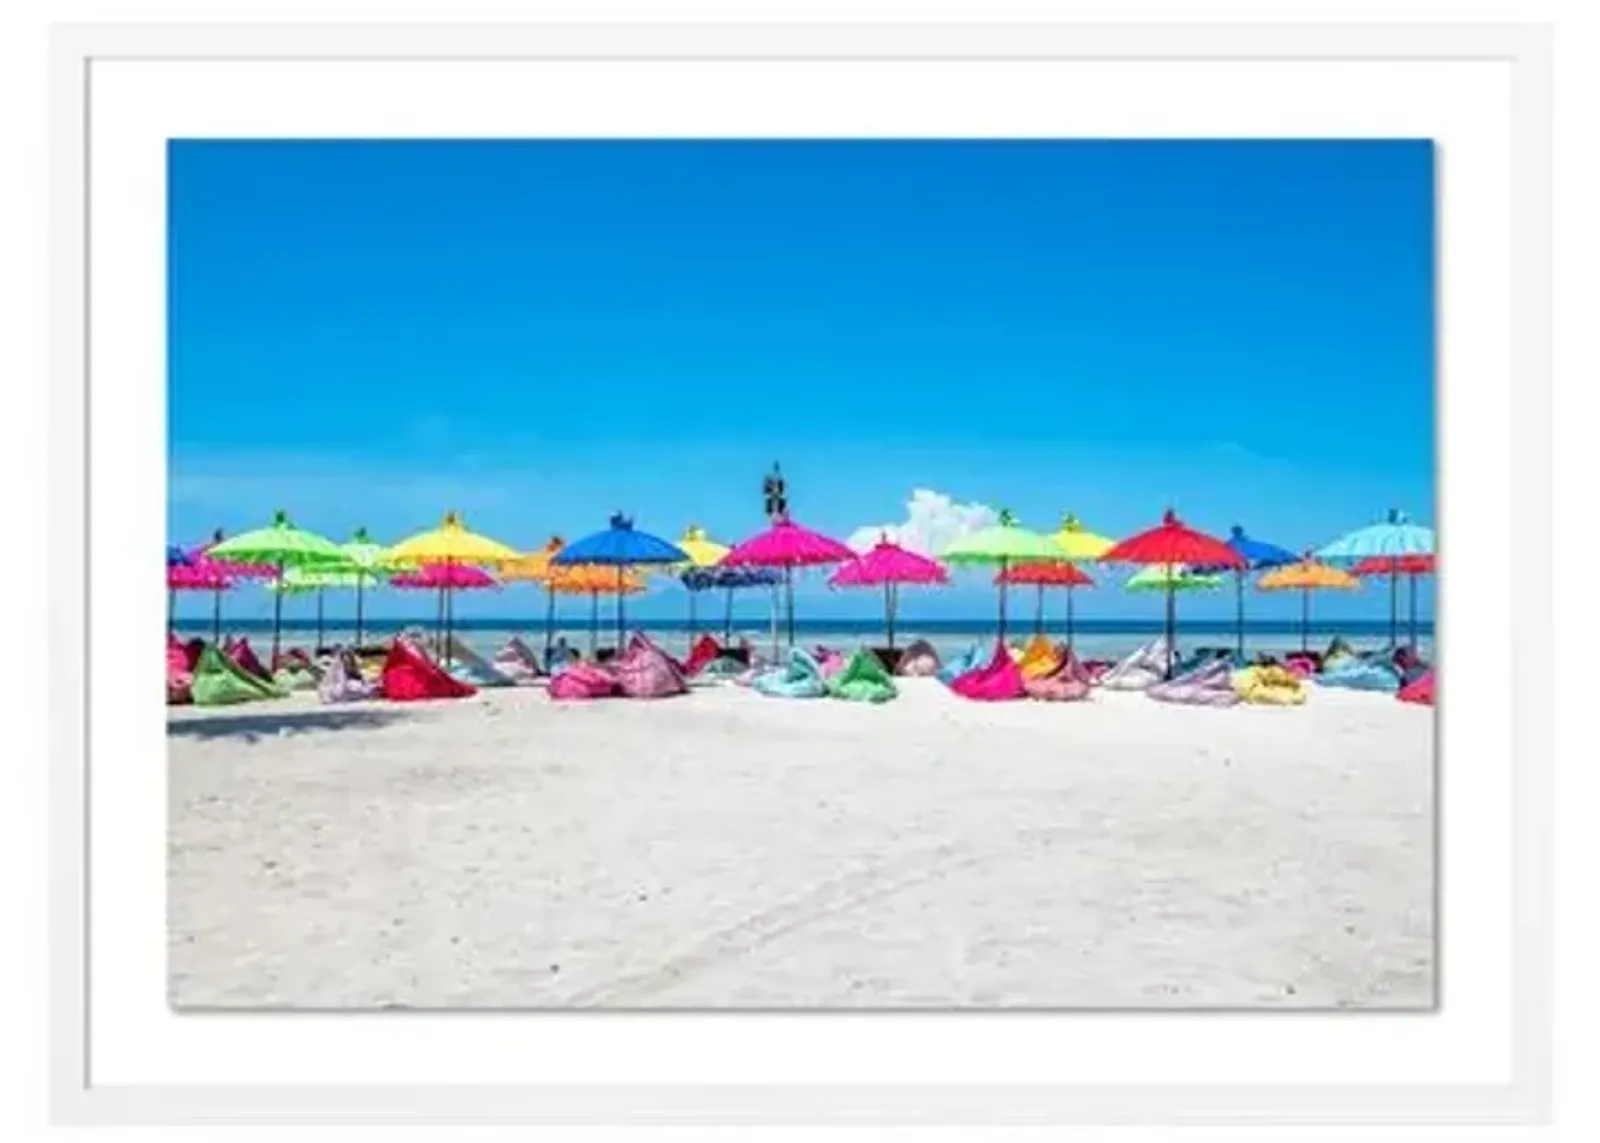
(450, 558)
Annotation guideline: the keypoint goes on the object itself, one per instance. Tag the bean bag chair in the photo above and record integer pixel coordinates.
(829, 661)
(801, 678)
(722, 669)
(862, 680)
(1361, 673)
(1419, 690)
(179, 676)
(409, 675)
(220, 681)
(1269, 686)
(1069, 682)
(343, 680)
(958, 665)
(646, 671)
(241, 653)
(1303, 663)
(1141, 669)
(705, 650)
(517, 661)
(294, 677)
(918, 661)
(583, 680)
(470, 667)
(1338, 653)
(1409, 663)
(1039, 658)
(1210, 684)
(1000, 680)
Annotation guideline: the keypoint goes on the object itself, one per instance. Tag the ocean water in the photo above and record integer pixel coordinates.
(1097, 639)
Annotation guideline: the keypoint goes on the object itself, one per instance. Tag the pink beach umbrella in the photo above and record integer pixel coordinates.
(223, 573)
(889, 566)
(788, 546)
(446, 579)
(199, 574)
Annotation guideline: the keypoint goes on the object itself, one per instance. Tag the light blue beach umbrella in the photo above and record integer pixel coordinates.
(1396, 535)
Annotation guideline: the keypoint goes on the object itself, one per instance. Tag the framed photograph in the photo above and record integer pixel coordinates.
(840, 574)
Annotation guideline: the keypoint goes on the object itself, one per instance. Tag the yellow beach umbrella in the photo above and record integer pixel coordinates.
(1077, 543)
(449, 544)
(703, 552)
(535, 567)
(1307, 576)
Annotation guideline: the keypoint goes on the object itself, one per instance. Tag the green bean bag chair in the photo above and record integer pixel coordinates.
(863, 679)
(219, 681)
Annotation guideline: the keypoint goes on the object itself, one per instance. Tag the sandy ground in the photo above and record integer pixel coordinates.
(724, 849)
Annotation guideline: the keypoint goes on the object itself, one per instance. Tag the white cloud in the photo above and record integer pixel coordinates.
(933, 522)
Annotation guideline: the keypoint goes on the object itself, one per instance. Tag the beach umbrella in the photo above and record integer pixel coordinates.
(889, 566)
(1176, 577)
(451, 545)
(703, 553)
(1395, 536)
(1041, 576)
(1410, 567)
(620, 547)
(370, 565)
(1169, 544)
(307, 581)
(729, 580)
(1004, 544)
(444, 579)
(594, 581)
(283, 546)
(193, 575)
(786, 546)
(1307, 575)
(1077, 543)
(1258, 555)
(225, 569)
(535, 567)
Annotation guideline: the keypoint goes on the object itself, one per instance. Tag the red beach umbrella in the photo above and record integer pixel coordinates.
(1173, 542)
(788, 546)
(1041, 576)
(445, 578)
(889, 566)
(1409, 566)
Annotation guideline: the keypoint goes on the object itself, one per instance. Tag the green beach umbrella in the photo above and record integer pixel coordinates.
(1002, 544)
(283, 546)
(1159, 577)
(371, 565)
(305, 581)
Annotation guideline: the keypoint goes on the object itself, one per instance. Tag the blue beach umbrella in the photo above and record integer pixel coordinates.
(729, 580)
(620, 546)
(1396, 535)
(1258, 555)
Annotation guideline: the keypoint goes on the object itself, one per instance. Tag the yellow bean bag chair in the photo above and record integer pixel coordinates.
(1038, 659)
(1269, 686)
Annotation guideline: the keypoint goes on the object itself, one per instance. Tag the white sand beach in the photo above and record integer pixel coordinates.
(727, 850)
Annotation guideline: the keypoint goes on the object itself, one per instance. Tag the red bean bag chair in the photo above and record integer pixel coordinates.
(583, 680)
(409, 675)
(1418, 691)
(646, 671)
(704, 650)
(179, 673)
(999, 681)
(239, 651)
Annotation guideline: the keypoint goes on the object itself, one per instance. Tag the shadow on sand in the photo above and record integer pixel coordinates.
(255, 724)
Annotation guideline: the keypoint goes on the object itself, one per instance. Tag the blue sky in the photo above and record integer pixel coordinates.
(538, 333)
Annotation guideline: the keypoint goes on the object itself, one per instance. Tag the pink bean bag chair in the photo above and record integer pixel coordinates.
(1210, 684)
(646, 671)
(240, 652)
(999, 681)
(179, 673)
(1419, 691)
(409, 675)
(1069, 682)
(583, 680)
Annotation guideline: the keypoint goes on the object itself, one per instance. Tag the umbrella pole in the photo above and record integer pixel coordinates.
(888, 612)
(361, 580)
(1411, 599)
(449, 623)
(172, 611)
(620, 620)
(1394, 610)
(727, 619)
(1172, 627)
(1002, 633)
(788, 594)
(594, 624)
(216, 616)
(277, 613)
(691, 618)
(1305, 619)
(549, 622)
(1038, 613)
(1238, 583)
(1069, 616)
(318, 643)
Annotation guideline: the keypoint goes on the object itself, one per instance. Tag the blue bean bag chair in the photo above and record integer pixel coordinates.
(802, 678)
(1362, 674)
(958, 665)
